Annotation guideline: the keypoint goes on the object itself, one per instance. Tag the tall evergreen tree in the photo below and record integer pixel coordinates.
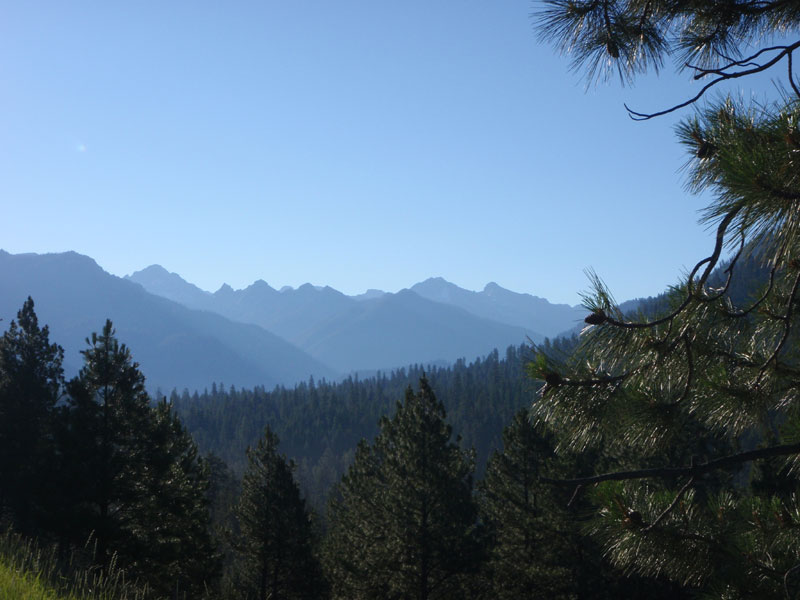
(131, 478)
(531, 552)
(31, 382)
(404, 522)
(275, 558)
(224, 491)
(181, 557)
(718, 365)
(109, 421)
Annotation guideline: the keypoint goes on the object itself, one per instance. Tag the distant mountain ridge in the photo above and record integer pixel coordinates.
(502, 305)
(175, 346)
(186, 337)
(375, 330)
(157, 280)
(495, 303)
(403, 328)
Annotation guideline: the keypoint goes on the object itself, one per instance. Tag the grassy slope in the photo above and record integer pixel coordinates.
(21, 585)
(28, 572)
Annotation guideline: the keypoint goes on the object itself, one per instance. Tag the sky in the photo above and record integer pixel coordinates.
(357, 144)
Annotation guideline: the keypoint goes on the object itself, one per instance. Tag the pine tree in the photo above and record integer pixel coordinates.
(105, 448)
(404, 524)
(531, 532)
(31, 382)
(224, 491)
(724, 369)
(181, 557)
(131, 480)
(275, 558)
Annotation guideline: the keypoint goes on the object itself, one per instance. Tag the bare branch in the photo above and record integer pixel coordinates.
(786, 581)
(786, 50)
(671, 507)
(791, 77)
(725, 462)
(598, 381)
(575, 495)
(711, 262)
(729, 270)
(787, 327)
(745, 62)
(756, 304)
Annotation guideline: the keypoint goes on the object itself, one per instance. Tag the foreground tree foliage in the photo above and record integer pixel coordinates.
(31, 382)
(726, 519)
(537, 546)
(404, 522)
(130, 479)
(274, 553)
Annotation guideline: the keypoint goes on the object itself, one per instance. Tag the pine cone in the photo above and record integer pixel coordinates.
(634, 519)
(553, 379)
(596, 318)
(706, 150)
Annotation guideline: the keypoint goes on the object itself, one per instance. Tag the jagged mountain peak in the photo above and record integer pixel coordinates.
(158, 276)
(438, 279)
(156, 269)
(259, 288)
(436, 283)
(502, 305)
(161, 282)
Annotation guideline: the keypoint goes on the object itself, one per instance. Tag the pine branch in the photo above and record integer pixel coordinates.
(725, 462)
(786, 580)
(671, 507)
(787, 327)
(723, 76)
(729, 271)
(745, 62)
(710, 261)
(791, 77)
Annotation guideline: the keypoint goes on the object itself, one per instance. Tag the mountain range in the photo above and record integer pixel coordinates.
(433, 321)
(175, 346)
(183, 336)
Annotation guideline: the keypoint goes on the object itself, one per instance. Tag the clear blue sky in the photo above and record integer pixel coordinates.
(358, 144)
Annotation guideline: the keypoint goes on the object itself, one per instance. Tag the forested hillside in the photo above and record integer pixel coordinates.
(321, 423)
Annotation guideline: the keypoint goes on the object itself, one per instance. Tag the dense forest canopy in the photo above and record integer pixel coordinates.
(321, 423)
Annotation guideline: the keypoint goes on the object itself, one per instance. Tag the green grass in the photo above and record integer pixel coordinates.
(29, 572)
(16, 585)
